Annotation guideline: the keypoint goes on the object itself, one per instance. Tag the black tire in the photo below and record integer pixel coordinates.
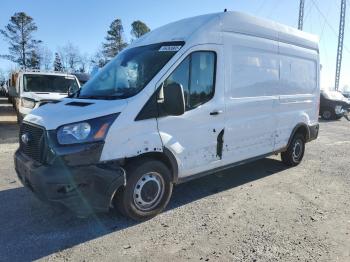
(129, 199)
(328, 114)
(295, 152)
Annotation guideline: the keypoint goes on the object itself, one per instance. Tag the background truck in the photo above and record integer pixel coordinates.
(31, 90)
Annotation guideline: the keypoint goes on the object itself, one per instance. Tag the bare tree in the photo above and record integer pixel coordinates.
(70, 57)
(85, 63)
(46, 57)
(2, 76)
(99, 59)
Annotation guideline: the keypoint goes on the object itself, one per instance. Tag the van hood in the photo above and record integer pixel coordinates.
(44, 96)
(54, 115)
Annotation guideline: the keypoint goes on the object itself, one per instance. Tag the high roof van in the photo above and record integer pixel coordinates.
(191, 98)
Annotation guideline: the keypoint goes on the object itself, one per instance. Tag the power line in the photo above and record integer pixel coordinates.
(260, 7)
(308, 12)
(324, 22)
(328, 23)
(276, 6)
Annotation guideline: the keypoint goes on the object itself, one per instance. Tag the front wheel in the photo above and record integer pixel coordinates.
(327, 114)
(148, 190)
(295, 151)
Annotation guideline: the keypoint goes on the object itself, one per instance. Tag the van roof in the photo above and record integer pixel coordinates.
(45, 73)
(208, 29)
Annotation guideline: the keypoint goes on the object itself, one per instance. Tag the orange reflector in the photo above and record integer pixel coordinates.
(101, 132)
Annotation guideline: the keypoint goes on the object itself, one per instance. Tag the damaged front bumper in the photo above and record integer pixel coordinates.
(72, 178)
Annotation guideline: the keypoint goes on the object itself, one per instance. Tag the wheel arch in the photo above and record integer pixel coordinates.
(166, 157)
(300, 128)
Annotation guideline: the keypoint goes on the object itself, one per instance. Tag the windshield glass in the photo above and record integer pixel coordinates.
(129, 72)
(49, 83)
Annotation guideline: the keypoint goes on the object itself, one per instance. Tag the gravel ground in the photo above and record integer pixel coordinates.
(258, 212)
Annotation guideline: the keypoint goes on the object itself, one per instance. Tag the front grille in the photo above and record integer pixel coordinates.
(34, 145)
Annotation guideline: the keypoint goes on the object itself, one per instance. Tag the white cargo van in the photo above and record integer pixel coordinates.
(34, 89)
(188, 99)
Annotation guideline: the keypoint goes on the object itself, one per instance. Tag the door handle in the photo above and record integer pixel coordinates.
(215, 113)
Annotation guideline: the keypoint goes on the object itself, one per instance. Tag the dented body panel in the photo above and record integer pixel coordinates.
(264, 86)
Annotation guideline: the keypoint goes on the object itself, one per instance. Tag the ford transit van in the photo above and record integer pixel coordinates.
(186, 100)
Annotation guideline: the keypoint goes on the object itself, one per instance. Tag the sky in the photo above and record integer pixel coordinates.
(84, 23)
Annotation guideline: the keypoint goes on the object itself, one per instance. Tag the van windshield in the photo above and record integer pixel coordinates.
(129, 72)
(49, 83)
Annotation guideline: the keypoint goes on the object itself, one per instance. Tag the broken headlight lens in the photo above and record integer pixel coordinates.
(27, 102)
(86, 131)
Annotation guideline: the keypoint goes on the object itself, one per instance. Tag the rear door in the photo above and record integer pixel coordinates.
(194, 137)
(298, 89)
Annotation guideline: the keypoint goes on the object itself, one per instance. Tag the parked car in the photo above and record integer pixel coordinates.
(333, 105)
(346, 94)
(34, 89)
(12, 94)
(3, 89)
(186, 100)
(82, 77)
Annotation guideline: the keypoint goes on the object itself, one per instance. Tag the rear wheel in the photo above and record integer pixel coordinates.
(295, 152)
(148, 190)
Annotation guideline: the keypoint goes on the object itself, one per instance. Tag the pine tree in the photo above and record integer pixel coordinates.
(19, 34)
(57, 64)
(115, 42)
(34, 60)
(139, 28)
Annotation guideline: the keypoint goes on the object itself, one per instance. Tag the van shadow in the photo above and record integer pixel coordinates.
(31, 230)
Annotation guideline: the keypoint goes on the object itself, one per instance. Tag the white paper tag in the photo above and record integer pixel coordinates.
(170, 48)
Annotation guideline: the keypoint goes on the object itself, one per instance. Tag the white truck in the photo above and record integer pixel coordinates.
(34, 89)
(186, 100)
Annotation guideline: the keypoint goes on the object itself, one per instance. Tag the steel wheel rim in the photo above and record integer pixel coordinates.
(297, 150)
(327, 114)
(148, 191)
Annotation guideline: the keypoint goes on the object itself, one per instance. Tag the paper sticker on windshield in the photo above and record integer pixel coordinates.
(170, 48)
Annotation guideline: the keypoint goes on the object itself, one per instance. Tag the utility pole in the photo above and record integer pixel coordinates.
(340, 43)
(301, 15)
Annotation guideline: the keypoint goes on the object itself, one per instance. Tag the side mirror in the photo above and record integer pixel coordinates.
(72, 90)
(173, 100)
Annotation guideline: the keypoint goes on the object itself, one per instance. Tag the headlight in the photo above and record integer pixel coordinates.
(87, 131)
(338, 110)
(27, 102)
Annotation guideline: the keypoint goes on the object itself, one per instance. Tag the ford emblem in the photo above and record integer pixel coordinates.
(25, 138)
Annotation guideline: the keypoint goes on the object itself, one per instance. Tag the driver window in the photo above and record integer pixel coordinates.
(196, 75)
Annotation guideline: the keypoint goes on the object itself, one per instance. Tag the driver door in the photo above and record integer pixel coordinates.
(196, 137)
